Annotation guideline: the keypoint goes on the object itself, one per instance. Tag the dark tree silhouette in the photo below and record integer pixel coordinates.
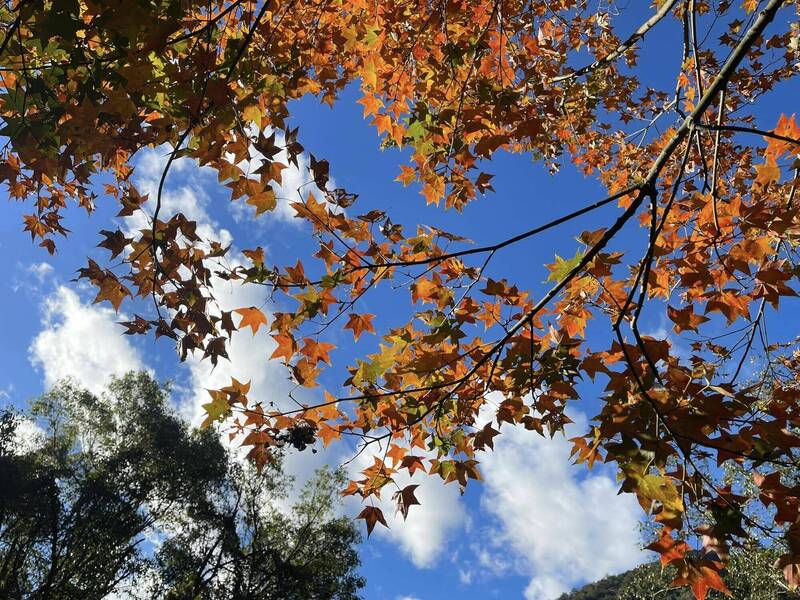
(116, 494)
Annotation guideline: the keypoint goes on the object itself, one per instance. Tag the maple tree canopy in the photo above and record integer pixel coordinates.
(88, 83)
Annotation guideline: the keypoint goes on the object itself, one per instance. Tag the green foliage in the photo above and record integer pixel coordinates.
(120, 496)
(750, 575)
(604, 589)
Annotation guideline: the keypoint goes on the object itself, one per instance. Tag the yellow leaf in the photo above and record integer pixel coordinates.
(368, 73)
(217, 409)
(252, 113)
(767, 172)
(263, 201)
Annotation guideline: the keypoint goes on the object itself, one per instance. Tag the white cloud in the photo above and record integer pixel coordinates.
(35, 275)
(81, 341)
(407, 598)
(40, 271)
(546, 523)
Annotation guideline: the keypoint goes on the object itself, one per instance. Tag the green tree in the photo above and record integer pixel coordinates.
(119, 495)
(239, 547)
(750, 574)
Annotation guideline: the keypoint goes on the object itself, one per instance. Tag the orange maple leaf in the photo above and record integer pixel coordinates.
(768, 172)
(287, 347)
(317, 351)
(701, 576)
(668, 548)
(359, 324)
(685, 318)
(251, 317)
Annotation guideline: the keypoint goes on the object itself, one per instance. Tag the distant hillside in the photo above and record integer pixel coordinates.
(605, 589)
(750, 576)
(610, 588)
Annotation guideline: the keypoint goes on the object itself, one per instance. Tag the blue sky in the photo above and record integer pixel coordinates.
(535, 528)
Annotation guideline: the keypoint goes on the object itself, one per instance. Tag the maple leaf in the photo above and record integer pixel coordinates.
(286, 346)
(328, 434)
(115, 242)
(251, 317)
(483, 183)
(701, 576)
(320, 170)
(237, 389)
(370, 371)
(138, 326)
(369, 74)
(729, 304)
(787, 128)
(359, 324)
(485, 437)
(371, 103)
(317, 351)
(372, 515)
(263, 201)
(396, 453)
(407, 175)
(217, 409)
(305, 372)
(112, 291)
(252, 113)
(668, 548)
(659, 489)
(790, 566)
(685, 318)
(412, 463)
(562, 267)
(489, 144)
(767, 172)
(424, 290)
(405, 499)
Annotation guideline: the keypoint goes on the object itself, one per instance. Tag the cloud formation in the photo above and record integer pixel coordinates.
(547, 523)
(34, 276)
(81, 341)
